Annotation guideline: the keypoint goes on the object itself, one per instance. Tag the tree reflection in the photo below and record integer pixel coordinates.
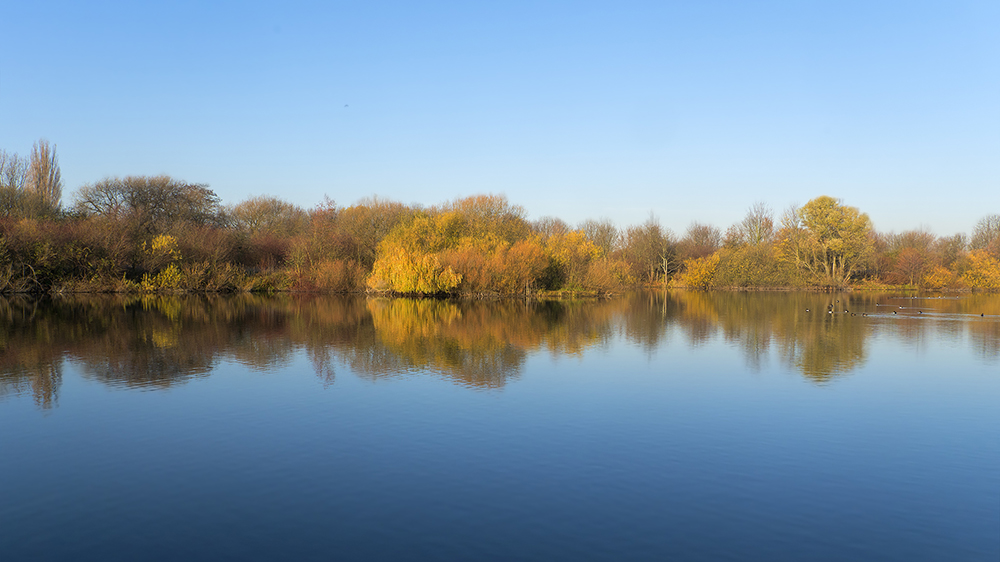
(811, 332)
(161, 341)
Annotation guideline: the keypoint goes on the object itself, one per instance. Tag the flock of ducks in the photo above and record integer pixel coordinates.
(829, 310)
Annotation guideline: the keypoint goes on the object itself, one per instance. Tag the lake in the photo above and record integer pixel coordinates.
(651, 426)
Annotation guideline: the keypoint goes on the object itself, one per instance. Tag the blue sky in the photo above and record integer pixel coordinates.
(689, 110)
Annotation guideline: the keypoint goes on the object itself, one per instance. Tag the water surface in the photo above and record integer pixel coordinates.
(688, 426)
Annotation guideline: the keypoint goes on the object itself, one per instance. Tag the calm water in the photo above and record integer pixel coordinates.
(670, 426)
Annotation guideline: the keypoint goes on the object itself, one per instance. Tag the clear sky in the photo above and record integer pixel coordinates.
(690, 110)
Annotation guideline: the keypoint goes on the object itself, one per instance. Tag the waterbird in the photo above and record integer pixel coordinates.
(894, 312)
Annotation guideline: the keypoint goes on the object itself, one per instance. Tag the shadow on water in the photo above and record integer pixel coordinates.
(155, 342)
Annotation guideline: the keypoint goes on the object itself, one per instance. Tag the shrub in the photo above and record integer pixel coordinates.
(700, 273)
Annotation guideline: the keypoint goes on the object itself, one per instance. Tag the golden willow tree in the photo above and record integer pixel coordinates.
(473, 245)
(827, 240)
(408, 259)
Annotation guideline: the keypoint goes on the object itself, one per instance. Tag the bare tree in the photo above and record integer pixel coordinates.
(650, 249)
(603, 233)
(986, 235)
(13, 170)
(549, 226)
(757, 227)
(13, 177)
(44, 178)
(949, 248)
(150, 203)
(269, 215)
(700, 240)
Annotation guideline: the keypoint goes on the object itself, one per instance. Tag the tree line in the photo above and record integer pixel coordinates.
(161, 234)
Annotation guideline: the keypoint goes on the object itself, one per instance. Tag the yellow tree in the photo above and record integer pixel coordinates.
(572, 253)
(981, 270)
(407, 260)
(827, 239)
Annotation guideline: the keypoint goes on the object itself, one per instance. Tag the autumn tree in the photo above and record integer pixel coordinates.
(911, 264)
(699, 273)
(475, 244)
(980, 270)
(911, 255)
(826, 239)
(748, 257)
(492, 214)
(408, 260)
(947, 249)
(364, 224)
(571, 254)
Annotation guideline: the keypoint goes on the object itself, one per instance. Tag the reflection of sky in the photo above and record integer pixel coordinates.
(614, 452)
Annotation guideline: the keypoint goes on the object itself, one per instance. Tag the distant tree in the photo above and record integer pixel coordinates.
(827, 239)
(150, 203)
(911, 255)
(269, 215)
(948, 249)
(980, 270)
(911, 265)
(699, 241)
(22, 193)
(650, 249)
(602, 233)
(44, 177)
(548, 226)
(922, 240)
(756, 228)
(13, 178)
(362, 226)
(492, 214)
(408, 259)
(986, 235)
(571, 254)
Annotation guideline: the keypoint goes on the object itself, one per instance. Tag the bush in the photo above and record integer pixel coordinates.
(700, 273)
